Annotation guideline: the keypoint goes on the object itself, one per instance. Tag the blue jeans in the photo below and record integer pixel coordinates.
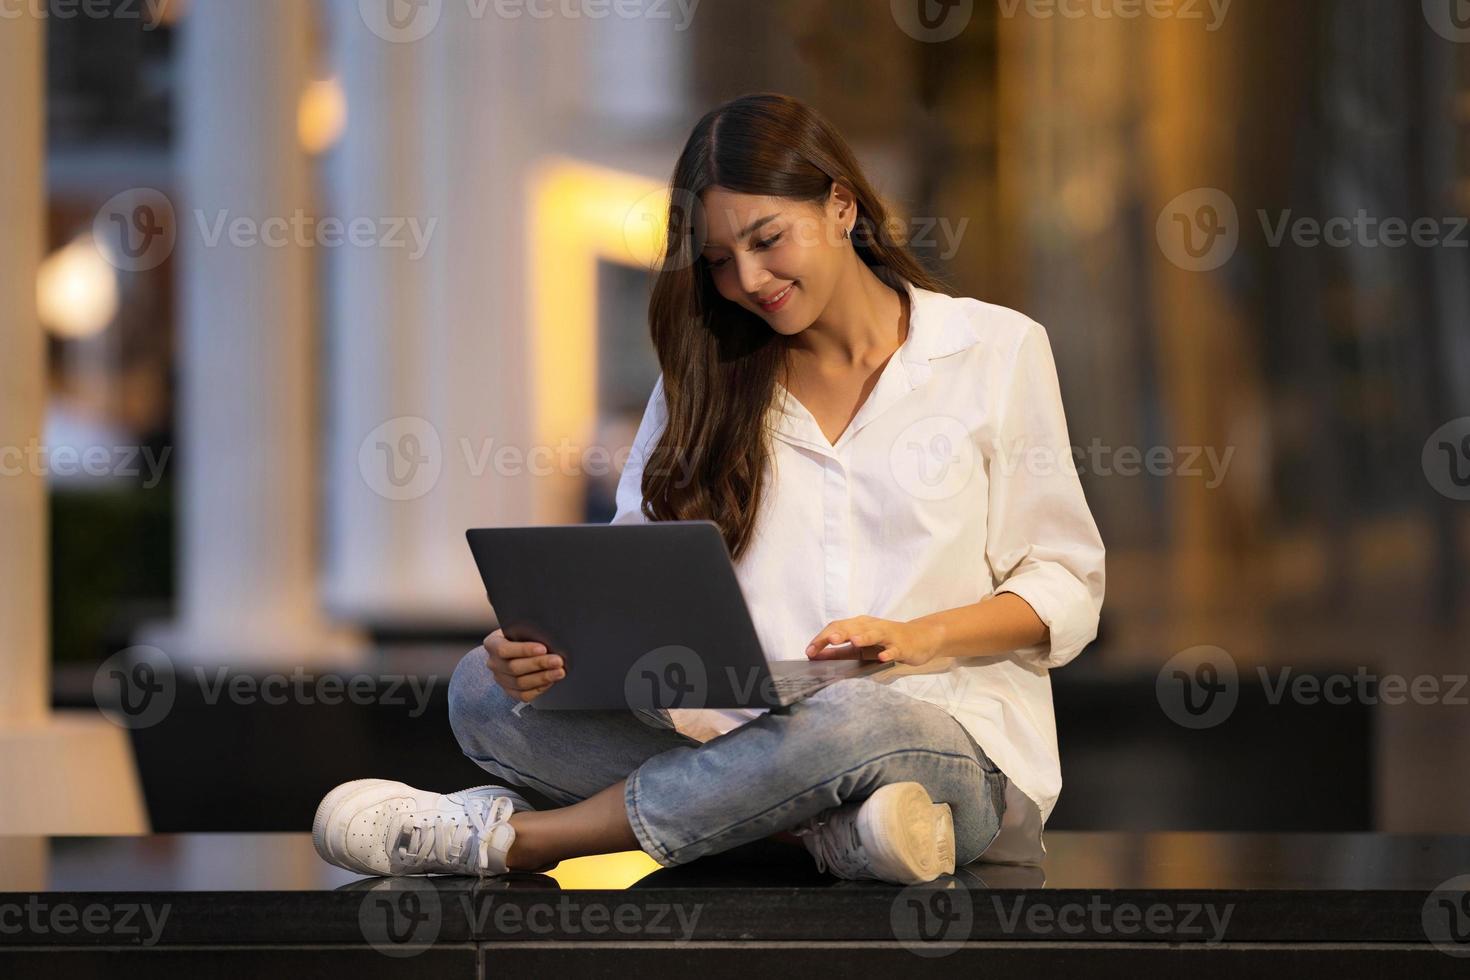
(686, 799)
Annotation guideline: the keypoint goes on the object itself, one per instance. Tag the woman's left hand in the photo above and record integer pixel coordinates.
(876, 639)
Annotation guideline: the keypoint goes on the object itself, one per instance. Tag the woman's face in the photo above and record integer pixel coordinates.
(762, 248)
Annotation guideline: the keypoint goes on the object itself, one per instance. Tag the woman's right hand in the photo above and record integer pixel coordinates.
(523, 670)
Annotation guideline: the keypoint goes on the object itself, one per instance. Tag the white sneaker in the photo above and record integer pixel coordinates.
(897, 834)
(382, 827)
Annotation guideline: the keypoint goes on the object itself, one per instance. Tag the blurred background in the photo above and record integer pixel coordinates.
(292, 292)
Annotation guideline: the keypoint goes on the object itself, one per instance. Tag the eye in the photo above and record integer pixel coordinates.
(762, 244)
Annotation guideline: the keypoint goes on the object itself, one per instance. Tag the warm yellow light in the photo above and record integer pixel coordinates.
(610, 872)
(76, 290)
(321, 115)
(169, 11)
(580, 213)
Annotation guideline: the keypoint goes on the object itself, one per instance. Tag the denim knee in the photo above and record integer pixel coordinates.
(856, 711)
(848, 724)
(476, 703)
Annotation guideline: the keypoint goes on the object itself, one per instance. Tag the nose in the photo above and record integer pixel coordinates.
(752, 278)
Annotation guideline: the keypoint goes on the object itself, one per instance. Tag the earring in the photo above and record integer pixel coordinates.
(846, 234)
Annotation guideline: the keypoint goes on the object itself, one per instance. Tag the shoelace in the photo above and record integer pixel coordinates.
(441, 837)
(835, 843)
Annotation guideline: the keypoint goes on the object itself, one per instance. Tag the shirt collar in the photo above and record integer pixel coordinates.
(938, 326)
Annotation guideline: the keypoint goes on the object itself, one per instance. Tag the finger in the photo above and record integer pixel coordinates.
(839, 651)
(530, 665)
(868, 635)
(831, 633)
(527, 679)
(511, 649)
(543, 678)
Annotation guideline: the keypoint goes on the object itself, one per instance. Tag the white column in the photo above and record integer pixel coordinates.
(427, 365)
(248, 451)
(432, 368)
(639, 68)
(63, 772)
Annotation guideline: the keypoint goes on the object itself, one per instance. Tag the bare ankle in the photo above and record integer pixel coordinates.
(523, 855)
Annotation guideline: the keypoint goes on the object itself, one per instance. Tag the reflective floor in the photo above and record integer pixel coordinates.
(1165, 861)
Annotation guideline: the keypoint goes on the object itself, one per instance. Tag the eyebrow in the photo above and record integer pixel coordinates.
(746, 231)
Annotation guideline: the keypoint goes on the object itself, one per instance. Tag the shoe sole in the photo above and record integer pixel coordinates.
(944, 835)
(909, 837)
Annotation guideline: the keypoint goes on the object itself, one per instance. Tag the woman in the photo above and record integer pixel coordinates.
(891, 471)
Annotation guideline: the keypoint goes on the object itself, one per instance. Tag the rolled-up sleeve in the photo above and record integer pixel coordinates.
(1042, 542)
(630, 481)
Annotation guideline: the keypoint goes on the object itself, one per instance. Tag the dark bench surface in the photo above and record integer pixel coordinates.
(1109, 887)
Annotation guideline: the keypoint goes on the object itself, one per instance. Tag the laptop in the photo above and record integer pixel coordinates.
(644, 616)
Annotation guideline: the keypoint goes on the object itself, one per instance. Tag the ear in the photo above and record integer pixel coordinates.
(841, 203)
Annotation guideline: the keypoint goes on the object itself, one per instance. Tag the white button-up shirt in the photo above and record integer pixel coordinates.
(954, 481)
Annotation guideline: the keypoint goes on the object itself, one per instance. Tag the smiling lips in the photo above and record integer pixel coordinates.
(776, 301)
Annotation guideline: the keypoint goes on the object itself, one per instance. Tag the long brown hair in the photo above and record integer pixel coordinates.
(720, 361)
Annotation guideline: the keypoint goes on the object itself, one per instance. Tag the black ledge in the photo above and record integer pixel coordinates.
(1171, 888)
